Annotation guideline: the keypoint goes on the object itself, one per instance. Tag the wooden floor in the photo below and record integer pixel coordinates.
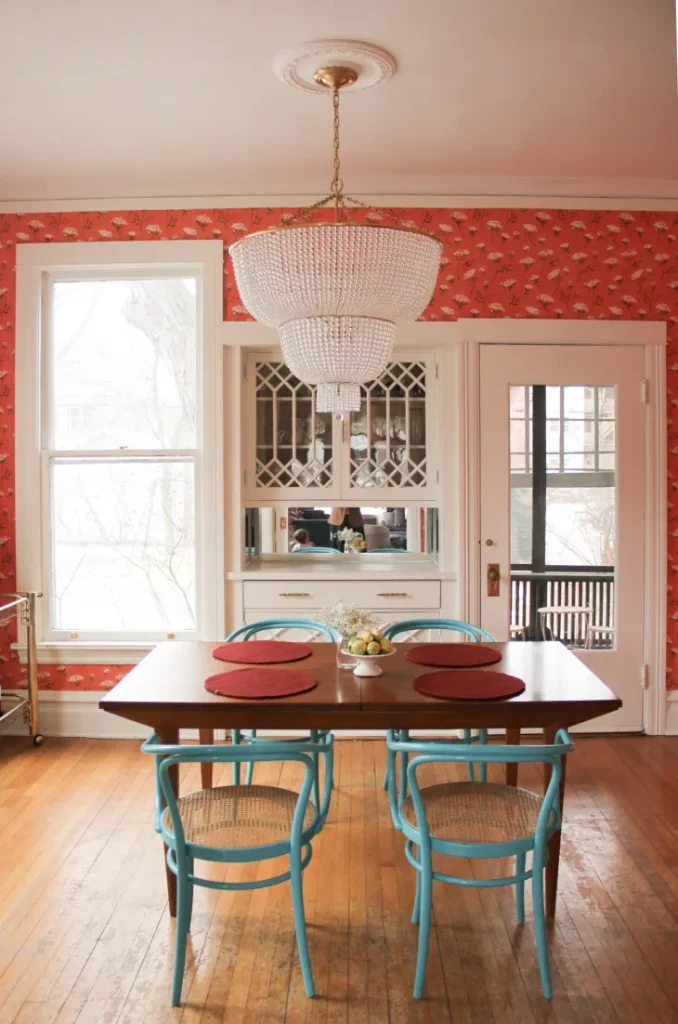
(85, 935)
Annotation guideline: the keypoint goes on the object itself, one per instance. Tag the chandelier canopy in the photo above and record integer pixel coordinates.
(336, 290)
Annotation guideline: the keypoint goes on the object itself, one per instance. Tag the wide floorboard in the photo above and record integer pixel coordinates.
(85, 937)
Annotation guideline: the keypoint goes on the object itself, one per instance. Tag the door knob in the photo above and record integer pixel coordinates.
(493, 577)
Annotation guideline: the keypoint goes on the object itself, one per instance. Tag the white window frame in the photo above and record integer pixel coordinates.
(36, 266)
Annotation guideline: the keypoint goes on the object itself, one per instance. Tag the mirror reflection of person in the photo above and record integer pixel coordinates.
(339, 518)
(302, 539)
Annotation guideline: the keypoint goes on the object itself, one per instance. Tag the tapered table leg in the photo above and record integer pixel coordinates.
(170, 735)
(206, 767)
(513, 740)
(553, 862)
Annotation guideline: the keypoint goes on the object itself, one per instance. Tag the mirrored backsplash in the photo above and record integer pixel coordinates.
(333, 529)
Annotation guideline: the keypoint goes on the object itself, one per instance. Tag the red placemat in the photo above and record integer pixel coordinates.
(453, 655)
(470, 685)
(262, 652)
(253, 683)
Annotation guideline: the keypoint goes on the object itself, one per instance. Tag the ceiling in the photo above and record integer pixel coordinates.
(154, 98)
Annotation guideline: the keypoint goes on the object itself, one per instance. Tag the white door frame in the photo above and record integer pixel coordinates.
(652, 337)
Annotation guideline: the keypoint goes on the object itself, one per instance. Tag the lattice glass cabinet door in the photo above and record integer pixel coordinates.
(389, 439)
(293, 451)
(291, 446)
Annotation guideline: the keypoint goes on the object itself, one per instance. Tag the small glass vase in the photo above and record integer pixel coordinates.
(344, 661)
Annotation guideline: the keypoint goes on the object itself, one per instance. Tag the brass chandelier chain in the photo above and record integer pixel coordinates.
(337, 186)
(336, 78)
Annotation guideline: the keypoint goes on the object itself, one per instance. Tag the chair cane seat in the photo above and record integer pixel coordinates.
(237, 817)
(477, 812)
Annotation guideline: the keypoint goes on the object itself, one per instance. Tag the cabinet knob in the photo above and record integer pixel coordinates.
(293, 593)
(393, 593)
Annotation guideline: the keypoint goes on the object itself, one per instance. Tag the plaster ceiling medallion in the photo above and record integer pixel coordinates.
(297, 66)
(336, 288)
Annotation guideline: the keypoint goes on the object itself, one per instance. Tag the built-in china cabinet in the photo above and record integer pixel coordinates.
(382, 464)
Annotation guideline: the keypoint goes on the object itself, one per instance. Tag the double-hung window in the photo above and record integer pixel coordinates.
(126, 399)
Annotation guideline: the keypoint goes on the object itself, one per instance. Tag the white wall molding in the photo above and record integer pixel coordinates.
(73, 652)
(469, 193)
(33, 262)
(671, 723)
(660, 711)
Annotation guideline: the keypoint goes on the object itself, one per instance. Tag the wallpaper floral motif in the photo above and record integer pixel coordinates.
(588, 264)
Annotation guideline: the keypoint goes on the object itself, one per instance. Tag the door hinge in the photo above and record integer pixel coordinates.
(244, 372)
(437, 476)
(244, 476)
(645, 391)
(644, 677)
(437, 371)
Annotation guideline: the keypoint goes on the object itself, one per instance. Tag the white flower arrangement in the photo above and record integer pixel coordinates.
(347, 619)
(351, 538)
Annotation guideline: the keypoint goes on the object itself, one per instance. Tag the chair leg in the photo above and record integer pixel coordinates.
(249, 770)
(540, 922)
(520, 889)
(404, 759)
(236, 737)
(384, 785)
(425, 886)
(316, 772)
(182, 926)
(470, 768)
(300, 920)
(416, 909)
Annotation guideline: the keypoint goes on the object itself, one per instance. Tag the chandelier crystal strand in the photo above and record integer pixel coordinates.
(335, 291)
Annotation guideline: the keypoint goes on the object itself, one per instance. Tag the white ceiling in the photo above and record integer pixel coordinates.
(152, 98)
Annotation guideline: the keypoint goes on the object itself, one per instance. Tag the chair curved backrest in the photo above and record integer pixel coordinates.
(381, 551)
(432, 752)
(316, 551)
(476, 633)
(250, 629)
(302, 751)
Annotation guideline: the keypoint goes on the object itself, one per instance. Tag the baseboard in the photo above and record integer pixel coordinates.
(672, 713)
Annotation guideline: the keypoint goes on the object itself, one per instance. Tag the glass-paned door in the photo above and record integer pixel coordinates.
(562, 506)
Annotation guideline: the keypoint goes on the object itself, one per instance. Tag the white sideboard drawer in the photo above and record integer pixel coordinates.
(398, 595)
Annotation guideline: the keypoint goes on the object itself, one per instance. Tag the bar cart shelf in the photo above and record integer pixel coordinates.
(27, 706)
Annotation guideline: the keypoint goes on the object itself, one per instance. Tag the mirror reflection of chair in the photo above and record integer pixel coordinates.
(316, 551)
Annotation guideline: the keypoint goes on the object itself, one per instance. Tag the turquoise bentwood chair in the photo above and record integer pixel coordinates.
(477, 820)
(476, 634)
(250, 630)
(239, 824)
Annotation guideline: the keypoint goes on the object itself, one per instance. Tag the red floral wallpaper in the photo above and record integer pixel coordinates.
(499, 262)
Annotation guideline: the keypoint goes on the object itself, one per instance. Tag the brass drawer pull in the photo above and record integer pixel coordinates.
(293, 593)
(393, 593)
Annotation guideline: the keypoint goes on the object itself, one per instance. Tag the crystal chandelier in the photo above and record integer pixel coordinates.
(336, 290)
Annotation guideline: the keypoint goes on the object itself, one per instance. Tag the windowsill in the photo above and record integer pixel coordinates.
(90, 652)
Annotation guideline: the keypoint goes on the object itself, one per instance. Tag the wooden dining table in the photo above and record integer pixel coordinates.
(166, 692)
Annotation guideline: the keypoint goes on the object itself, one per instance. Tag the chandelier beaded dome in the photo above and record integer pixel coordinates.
(335, 290)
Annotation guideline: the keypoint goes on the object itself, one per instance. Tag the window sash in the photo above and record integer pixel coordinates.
(50, 632)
